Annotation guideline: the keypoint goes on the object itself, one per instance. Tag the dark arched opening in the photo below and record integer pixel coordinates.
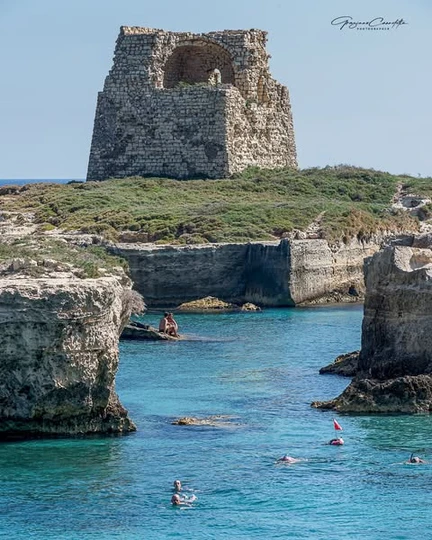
(194, 63)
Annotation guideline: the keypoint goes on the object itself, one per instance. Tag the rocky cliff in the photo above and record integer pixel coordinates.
(284, 273)
(59, 354)
(395, 363)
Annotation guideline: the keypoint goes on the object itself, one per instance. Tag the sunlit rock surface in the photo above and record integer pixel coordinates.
(395, 363)
(283, 273)
(59, 355)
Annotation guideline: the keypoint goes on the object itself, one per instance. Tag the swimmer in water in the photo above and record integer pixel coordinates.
(288, 459)
(177, 485)
(337, 442)
(176, 500)
(415, 460)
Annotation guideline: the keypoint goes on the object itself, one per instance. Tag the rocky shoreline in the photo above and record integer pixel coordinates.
(394, 371)
(61, 322)
(285, 273)
(59, 342)
(345, 365)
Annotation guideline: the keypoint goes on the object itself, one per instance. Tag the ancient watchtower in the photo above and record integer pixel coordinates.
(188, 105)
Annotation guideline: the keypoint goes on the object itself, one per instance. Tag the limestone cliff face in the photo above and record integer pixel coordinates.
(59, 355)
(172, 275)
(318, 268)
(395, 364)
(397, 323)
(284, 273)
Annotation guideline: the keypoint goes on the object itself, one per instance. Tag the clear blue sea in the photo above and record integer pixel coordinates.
(262, 370)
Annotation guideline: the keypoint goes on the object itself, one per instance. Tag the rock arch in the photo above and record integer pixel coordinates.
(194, 61)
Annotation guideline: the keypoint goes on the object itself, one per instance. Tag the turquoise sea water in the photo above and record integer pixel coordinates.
(261, 369)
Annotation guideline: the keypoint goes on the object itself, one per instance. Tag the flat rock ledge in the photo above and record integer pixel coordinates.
(345, 365)
(409, 394)
(210, 303)
(144, 332)
(218, 420)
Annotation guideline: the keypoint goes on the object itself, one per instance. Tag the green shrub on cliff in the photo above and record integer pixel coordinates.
(257, 204)
(91, 260)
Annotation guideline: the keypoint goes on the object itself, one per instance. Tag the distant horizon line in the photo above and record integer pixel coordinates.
(69, 178)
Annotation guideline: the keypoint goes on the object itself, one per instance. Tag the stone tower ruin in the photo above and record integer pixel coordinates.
(186, 105)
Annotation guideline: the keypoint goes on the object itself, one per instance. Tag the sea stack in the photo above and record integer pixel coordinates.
(59, 353)
(395, 362)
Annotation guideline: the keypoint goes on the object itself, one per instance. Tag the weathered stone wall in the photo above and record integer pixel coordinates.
(282, 273)
(163, 113)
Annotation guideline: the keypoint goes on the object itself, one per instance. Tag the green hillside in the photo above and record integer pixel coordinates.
(255, 205)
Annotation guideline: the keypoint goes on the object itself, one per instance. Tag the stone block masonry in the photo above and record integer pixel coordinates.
(183, 105)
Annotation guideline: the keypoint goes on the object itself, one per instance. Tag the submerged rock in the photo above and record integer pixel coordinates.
(395, 361)
(59, 356)
(218, 420)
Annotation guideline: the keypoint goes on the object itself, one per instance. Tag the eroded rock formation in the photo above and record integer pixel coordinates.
(59, 354)
(395, 363)
(345, 365)
(217, 420)
(210, 303)
(284, 273)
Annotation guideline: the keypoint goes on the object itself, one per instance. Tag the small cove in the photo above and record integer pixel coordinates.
(261, 369)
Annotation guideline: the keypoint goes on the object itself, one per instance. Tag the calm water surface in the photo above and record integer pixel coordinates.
(262, 370)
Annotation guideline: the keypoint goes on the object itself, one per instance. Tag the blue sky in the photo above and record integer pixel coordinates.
(358, 97)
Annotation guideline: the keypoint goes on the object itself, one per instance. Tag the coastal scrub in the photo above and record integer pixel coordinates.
(337, 203)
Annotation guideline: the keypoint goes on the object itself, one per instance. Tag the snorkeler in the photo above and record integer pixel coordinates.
(415, 459)
(337, 442)
(288, 459)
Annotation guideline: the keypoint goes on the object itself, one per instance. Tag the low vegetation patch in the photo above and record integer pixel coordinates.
(92, 261)
(255, 205)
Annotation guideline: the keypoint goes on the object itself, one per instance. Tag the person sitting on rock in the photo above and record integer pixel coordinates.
(172, 329)
(164, 324)
(415, 459)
